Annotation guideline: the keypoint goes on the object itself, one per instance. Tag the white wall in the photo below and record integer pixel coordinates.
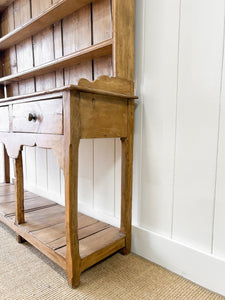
(179, 161)
(99, 177)
(179, 189)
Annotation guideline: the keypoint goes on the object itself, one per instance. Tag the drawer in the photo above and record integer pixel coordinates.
(4, 118)
(38, 117)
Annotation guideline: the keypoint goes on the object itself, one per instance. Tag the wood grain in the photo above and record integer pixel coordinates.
(4, 4)
(77, 57)
(48, 117)
(101, 117)
(19, 193)
(50, 16)
(9, 59)
(49, 44)
(123, 31)
(45, 229)
(127, 179)
(6, 166)
(72, 140)
(24, 49)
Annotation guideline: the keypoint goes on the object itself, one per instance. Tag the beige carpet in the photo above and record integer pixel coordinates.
(27, 274)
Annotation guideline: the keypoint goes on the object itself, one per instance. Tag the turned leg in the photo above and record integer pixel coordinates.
(71, 186)
(19, 193)
(127, 176)
(6, 166)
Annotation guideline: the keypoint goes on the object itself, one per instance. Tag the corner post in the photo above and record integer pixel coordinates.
(72, 140)
(127, 178)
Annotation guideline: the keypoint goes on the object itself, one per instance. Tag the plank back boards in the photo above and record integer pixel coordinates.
(68, 40)
(99, 21)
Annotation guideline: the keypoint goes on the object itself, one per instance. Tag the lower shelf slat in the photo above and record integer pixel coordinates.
(44, 228)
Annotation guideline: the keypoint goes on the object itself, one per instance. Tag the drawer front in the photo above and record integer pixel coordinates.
(4, 118)
(38, 117)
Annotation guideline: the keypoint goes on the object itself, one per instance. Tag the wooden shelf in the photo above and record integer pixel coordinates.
(92, 52)
(50, 16)
(4, 4)
(44, 228)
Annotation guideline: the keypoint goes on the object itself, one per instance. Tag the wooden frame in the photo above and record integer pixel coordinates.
(69, 253)
(100, 109)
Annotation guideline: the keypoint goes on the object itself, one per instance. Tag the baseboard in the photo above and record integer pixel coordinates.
(202, 268)
(199, 267)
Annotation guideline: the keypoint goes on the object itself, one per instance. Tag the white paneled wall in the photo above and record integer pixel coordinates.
(1, 163)
(159, 114)
(179, 168)
(179, 147)
(199, 88)
(99, 177)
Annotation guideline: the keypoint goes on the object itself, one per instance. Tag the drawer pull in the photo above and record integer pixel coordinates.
(32, 117)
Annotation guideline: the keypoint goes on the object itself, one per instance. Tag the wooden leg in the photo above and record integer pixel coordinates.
(20, 240)
(127, 177)
(7, 168)
(71, 189)
(19, 192)
(72, 243)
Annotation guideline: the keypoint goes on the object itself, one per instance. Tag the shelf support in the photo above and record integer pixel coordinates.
(127, 176)
(72, 140)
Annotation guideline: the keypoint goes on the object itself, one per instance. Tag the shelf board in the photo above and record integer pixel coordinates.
(50, 16)
(4, 4)
(89, 53)
(44, 228)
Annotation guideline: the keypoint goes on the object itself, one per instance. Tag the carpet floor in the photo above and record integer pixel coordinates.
(27, 274)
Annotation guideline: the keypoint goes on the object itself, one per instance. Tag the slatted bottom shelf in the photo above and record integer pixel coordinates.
(44, 228)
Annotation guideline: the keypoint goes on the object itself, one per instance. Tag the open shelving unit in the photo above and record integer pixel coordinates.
(53, 14)
(86, 54)
(45, 103)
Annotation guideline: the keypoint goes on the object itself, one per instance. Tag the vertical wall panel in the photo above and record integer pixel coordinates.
(104, 176)
(139, 81)
(2, 176)
(41, 169)
(201, 41)
(30, 166)
(159, 90)
(85, 175)
(117, 176)
(218, 245)
(24, 165)
(54, 175)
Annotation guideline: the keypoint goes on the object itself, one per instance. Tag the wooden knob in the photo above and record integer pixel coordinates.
(32, 117)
